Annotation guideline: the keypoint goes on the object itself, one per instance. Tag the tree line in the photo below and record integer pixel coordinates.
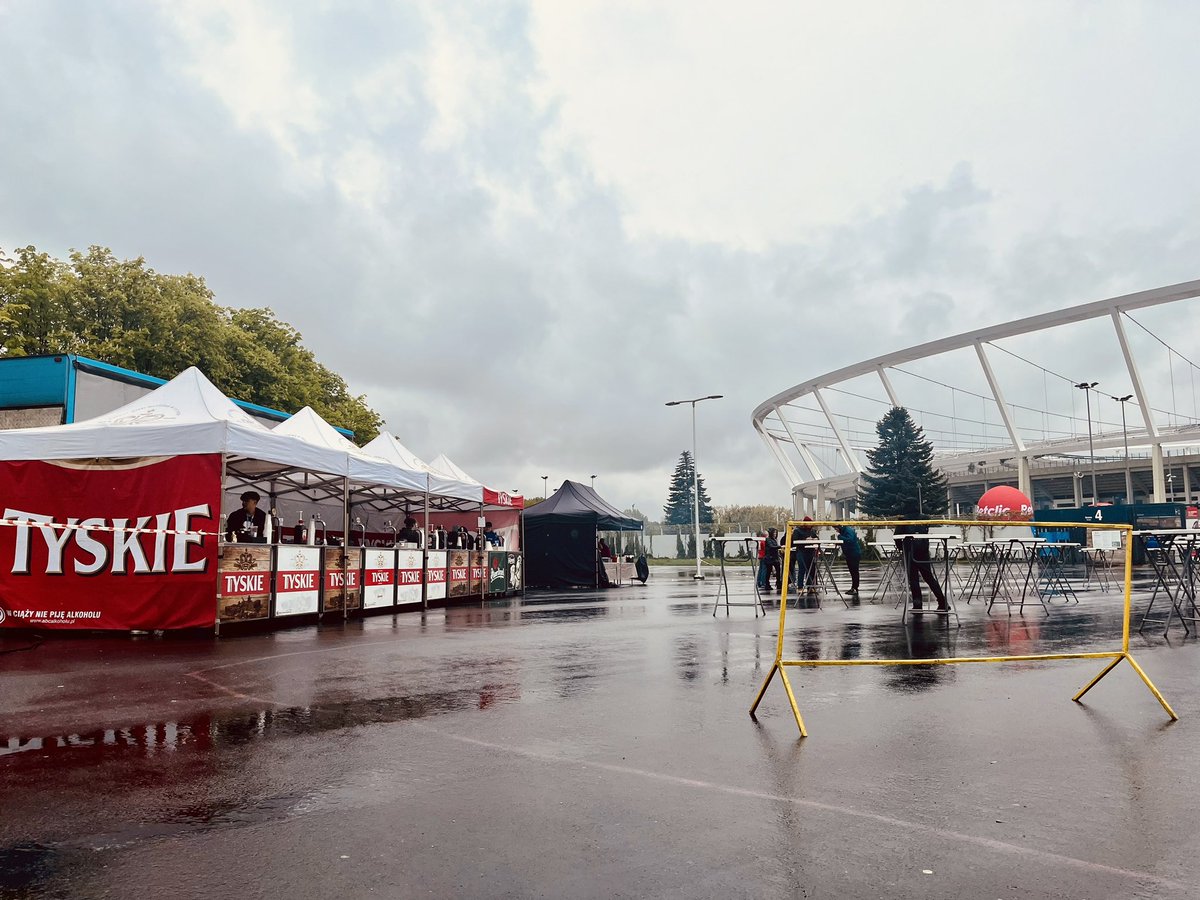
(124, 313)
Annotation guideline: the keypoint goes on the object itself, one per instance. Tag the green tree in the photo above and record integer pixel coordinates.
(680, 549)
(902, 480)
(124, 313)
(678, 510)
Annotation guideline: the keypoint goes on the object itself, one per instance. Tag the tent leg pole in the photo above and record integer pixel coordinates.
(345, 547)
(217, 538)
(428, 533)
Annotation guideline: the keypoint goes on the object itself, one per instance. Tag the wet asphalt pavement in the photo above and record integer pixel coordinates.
(598, 745)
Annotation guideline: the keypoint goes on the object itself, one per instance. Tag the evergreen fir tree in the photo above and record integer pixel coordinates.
(678, 510)
(902, 481)
(680, 549)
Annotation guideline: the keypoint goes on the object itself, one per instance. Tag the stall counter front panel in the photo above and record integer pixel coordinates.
(410, 577)
(435, 574)
(497, 572)
(515, 573)
(297, 580)
(342, 587)
(244, 582)
(477, 562)
(379, 578)
(459, 575)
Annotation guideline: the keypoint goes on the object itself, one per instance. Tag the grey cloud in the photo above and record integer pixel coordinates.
(520, 341)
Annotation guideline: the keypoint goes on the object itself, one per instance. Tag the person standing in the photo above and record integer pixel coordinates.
(805, 556)
(760, 545)
(851, 553)
(409, 534)
(249, 523)
(771, 560)
(918, 566)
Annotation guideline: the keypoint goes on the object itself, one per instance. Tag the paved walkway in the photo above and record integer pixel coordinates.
(597, 745)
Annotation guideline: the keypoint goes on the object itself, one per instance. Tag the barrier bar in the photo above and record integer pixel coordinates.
(780, 664)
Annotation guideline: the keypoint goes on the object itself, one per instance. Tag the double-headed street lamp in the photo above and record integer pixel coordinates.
(1086, 387)
(545, 486)
(593, 482)
(1125, 438)
(695, 478)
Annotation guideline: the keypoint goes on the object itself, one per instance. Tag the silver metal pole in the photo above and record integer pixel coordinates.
(1091, 447)
(696, 494)
(425, 551)
(1125, 440)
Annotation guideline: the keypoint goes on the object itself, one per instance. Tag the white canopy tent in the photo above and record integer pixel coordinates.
(388, 447)
(443, 465)
(189, 415)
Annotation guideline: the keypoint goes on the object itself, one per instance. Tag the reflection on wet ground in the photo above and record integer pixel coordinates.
(180, 741)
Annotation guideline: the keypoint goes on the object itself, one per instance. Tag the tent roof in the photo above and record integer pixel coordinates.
(189, 415)
(443, 465)
(577, 503)
(387, 447)
(308, 425)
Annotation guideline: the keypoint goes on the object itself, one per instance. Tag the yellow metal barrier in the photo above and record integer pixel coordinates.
(780, 665)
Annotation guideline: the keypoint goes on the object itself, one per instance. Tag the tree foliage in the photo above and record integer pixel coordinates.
(125, 313)
(754, 516)
(678, 510)
(902, 480)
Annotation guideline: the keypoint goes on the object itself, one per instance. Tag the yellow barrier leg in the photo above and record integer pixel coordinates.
(787, 685)
(1087, 687)
(762, 690)
(1153, 689)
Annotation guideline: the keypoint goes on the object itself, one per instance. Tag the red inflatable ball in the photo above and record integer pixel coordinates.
(1004, 502)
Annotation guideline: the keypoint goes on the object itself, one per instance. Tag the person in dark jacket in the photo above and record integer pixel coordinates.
(851, 553)
(249, 523)
(771, 562)
(805, 556)
(917, 565)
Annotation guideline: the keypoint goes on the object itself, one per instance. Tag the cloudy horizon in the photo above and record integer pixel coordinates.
(520, 228)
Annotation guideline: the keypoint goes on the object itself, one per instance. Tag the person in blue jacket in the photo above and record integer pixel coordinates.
(852, 553)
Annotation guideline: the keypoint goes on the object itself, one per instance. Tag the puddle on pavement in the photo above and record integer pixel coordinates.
(216, 730)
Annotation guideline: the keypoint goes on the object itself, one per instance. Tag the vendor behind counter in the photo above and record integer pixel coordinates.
(247, 525)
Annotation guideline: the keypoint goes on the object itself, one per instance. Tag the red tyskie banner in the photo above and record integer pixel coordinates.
(502, 498)
(102, 574)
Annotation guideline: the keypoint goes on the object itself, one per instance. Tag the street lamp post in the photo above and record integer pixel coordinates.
(545, 486)
(699, 576)
(1086, 387)
(593, 482)
(1125, 439)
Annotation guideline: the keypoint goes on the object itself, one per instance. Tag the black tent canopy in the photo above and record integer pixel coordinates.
(560, 536)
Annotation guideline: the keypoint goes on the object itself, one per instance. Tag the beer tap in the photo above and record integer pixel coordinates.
(320, 522)
(394, 530)
(362, 530)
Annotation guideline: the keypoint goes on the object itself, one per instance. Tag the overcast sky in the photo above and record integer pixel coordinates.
(520, 228)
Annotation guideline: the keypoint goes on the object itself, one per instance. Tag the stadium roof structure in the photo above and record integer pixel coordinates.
(1128, 407)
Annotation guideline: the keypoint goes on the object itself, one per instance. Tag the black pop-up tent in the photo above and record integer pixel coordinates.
(560, 536)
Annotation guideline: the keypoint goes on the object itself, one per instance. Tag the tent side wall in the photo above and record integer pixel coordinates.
(143, 554)
(560, 555)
